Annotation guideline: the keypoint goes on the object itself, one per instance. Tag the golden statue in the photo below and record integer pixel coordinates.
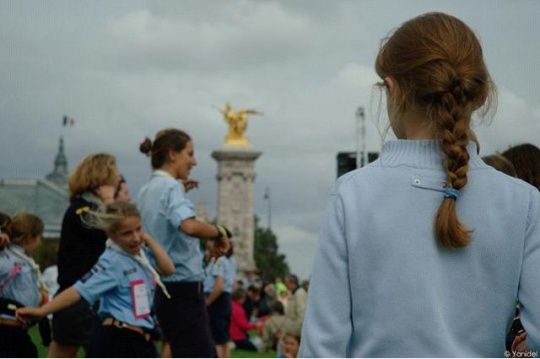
(237, 120)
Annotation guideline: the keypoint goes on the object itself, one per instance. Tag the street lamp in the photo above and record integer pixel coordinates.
(269, 199)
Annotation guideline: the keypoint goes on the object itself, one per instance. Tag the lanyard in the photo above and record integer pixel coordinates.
(142, 260)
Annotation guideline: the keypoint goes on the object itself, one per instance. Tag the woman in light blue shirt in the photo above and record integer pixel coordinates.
(170, 218)
(423, 252)
(123, 280)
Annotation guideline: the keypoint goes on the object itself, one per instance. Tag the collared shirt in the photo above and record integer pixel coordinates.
(18, 280)
(220, 267)
(164, 206)
(124, 287)
(230, 272)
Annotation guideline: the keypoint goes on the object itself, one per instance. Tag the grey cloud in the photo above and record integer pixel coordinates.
(126, 69)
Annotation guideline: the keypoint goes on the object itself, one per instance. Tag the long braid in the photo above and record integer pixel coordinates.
(453, 119)
(437, 64)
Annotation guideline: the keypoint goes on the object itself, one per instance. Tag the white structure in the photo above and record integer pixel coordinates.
(236, 174)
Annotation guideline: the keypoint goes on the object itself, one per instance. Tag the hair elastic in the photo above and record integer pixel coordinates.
(451, 193)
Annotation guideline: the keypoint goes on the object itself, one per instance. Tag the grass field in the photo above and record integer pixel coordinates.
(42, 350)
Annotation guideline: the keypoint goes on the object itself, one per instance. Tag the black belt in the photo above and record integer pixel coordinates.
(110, 321)
(185, 286)
(9, 306)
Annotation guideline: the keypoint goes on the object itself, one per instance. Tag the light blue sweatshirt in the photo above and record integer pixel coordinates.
(383, 287)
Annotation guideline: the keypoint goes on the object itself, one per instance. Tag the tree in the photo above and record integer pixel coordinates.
(268, 260)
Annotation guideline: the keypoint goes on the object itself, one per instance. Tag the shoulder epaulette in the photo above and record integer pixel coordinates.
(81, 210)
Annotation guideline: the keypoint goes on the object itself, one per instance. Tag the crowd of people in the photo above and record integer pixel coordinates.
(130, 274)
(426, 252)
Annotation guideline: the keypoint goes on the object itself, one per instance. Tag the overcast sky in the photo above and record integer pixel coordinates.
(125, 69)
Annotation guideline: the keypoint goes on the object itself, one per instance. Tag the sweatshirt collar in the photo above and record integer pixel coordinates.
(422, 154)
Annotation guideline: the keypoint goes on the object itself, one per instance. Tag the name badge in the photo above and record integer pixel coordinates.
(139, 295)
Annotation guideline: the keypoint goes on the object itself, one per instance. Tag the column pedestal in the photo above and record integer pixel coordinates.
(236, 174)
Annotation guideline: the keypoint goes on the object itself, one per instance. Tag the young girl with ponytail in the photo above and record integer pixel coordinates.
(424, 251)
(123, 280)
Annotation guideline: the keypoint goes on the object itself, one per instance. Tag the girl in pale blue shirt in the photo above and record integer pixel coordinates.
(423, 252)
(220, 273)
(123, 280)
(21, 283)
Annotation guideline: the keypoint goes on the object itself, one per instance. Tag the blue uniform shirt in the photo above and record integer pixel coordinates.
(230, 272)
(210, 275)
(18, 280)
(164, 207)
(221, 267)
(120, 283)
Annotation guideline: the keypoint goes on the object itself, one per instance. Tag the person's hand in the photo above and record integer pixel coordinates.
(106, 193)
(222, 244)
(190, 184)
(28, 314)
(146, 238)
(44, 296)
(4, 240)
(520, 343)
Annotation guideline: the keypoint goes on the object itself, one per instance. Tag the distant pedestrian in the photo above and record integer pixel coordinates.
(220, 273)
(121, 193)
(240, 325)
(296, 303)
(526, 161)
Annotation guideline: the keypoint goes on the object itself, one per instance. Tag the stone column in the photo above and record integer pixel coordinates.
(236, 174)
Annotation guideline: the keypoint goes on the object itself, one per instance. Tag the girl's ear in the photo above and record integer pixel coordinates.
(391, 84)
(109, 233)
(171, 155)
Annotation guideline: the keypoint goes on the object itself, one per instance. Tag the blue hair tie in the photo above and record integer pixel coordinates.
(451, 193)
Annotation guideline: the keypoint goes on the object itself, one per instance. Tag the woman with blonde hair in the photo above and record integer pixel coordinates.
(424, 251)
(91, 186)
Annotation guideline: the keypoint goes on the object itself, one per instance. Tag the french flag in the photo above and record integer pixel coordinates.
(68, 121)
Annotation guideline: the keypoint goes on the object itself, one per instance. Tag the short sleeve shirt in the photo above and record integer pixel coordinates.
(229, 264)
(18, 280)
(164, 206)
(220, 267)
(213, 269)
(124, 287)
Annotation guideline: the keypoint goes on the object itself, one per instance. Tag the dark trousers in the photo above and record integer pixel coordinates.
(16, 343)
(220, 318)
(184, 320)
(114, 342)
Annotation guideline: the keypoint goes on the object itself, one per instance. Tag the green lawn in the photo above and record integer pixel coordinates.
(42, 350)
